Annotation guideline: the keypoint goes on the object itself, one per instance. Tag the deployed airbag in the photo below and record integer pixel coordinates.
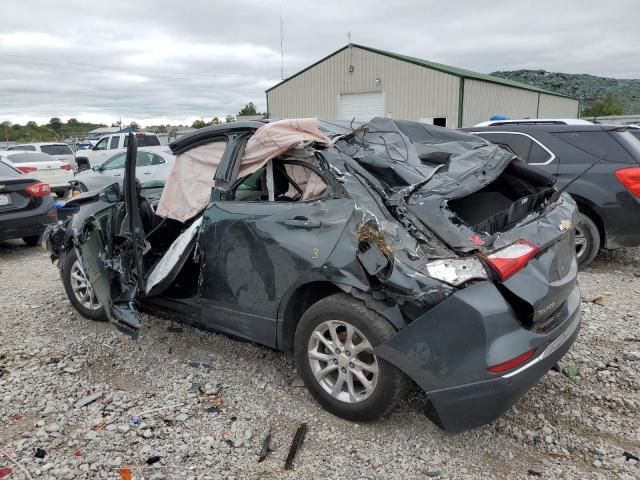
(188, 188)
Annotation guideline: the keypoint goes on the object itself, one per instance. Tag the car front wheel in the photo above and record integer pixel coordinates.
(334, 345)
(32, 240)
(79, 289)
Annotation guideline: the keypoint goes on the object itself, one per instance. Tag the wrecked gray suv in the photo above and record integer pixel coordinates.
(380, 253)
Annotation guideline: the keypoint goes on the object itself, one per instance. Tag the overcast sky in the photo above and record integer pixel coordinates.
(158, 61)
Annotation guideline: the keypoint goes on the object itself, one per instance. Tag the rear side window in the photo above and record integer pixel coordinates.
(597, 144)
(526, 147)
(56, 149)
(114, 143)
(144, 140)
(24, 148)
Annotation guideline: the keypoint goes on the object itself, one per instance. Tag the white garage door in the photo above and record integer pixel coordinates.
(361, 106)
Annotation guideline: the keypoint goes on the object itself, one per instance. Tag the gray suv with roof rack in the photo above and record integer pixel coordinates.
(600, 167)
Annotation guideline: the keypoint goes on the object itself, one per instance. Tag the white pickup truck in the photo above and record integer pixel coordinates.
(108, 145)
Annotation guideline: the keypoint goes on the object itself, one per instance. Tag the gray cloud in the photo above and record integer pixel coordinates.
(160, 61)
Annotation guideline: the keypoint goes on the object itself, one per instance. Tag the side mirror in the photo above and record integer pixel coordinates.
(97, 168)
(112, 193)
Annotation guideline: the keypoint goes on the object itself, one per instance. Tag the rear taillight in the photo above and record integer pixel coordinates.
(513, 363)
(27, 169)
(38, 190)
(512, 259)
(630, 178)
(66, 166)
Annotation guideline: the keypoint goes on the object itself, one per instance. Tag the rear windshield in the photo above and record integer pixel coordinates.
(635, 133)
(29, 148)
(631, 140)
(144, 140)
(7, 171)
(56, 149)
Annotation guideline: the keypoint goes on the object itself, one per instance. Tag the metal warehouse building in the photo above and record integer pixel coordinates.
(363, 82)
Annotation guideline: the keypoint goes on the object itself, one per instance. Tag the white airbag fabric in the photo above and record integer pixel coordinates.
(188, 188)
(170, 259)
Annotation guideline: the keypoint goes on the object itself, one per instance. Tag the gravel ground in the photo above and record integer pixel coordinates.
(223, 395)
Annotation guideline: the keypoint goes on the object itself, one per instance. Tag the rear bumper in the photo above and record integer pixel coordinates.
(447, 352)
(29, 222)
(621, 220)
(459, 408)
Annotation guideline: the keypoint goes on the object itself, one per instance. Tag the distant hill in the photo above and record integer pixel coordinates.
(588, 88)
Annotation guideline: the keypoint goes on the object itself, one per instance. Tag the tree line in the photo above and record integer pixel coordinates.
(53, 131)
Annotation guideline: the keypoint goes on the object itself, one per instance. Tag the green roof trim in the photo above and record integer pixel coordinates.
(458, 72)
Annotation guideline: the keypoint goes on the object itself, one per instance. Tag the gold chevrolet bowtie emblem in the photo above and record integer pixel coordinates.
(565, 225)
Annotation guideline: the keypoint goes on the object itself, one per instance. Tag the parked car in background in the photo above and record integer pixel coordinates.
(59, 151)
(608, 194)
(26, 205)
(151, 164)
(55, 173)
(534, 121)
(377, 255)
(108, 145)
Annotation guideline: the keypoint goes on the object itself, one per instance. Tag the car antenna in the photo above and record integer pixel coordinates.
(559, 192)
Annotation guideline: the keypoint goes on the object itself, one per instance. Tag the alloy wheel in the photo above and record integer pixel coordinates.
(342, 361)
(581, 242)
(82, 288)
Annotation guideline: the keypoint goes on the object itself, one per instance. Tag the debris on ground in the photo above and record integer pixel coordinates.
(264, 451)
(571, 370)
(560, 454)
(89, 399)
(534, 473)
(295, 445)
(630, 456)
(125, 473)
(153, 459)
(5, 472)
(40, 453)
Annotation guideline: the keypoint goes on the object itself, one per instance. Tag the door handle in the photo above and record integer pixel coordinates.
(117, 174)
(302, 222)
(147, 173)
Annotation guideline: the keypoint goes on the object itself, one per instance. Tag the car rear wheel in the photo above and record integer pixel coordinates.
(79, 289)
(587, 240)
(31, 240)
(334, 345)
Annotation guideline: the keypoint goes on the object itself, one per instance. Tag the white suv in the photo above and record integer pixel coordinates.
(109, 145)
(59, 151)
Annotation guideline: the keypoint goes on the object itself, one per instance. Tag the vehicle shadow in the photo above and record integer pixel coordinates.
(13, 247)
(619, 259)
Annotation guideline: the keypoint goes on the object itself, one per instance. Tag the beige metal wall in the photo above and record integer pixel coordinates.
(484, 99)
(557, 107)
(410, 91)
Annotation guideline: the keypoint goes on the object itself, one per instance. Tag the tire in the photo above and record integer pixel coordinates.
(82, 164)
(387, 387)
(587, 240)
(31, 240)
(97, 313)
